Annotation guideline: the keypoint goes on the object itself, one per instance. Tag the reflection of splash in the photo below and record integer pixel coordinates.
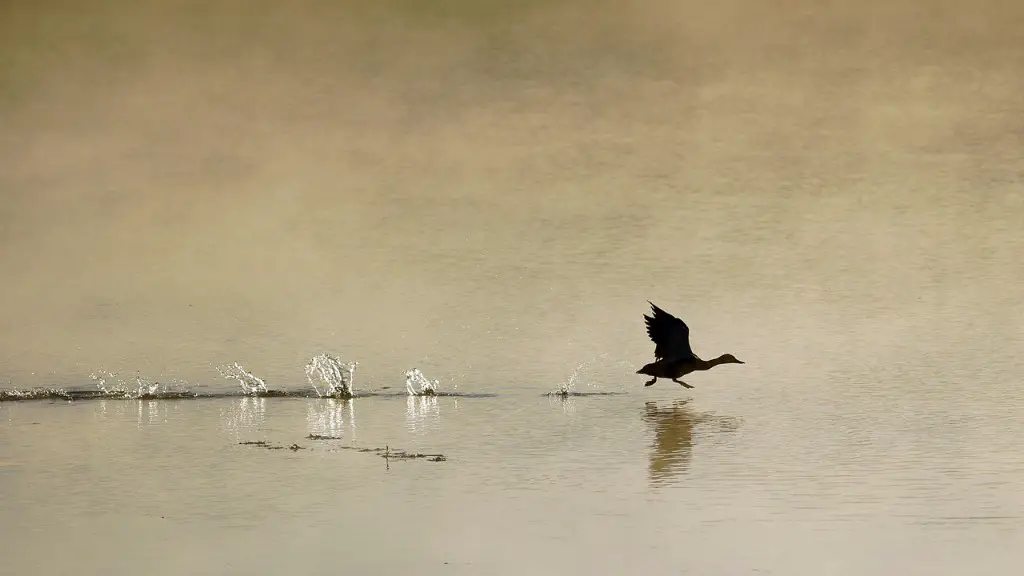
(105, 406)
(327, 417)
(248, 413)
(568, 403)
(149, 412)
(421, 413)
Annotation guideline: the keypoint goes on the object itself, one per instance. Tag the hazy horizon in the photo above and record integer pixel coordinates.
(489, 189)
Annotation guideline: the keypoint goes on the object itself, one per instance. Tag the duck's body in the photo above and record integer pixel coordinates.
(677, 368)
(673, 357)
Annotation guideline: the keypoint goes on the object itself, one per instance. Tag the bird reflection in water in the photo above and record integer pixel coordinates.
(672, 448)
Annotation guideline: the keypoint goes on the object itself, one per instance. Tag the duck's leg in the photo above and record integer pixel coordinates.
(652, 381)
(684, 384)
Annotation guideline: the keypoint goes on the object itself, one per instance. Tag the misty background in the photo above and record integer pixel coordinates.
(491, 190)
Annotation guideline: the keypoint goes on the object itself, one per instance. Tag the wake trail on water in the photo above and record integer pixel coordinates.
(328, 377)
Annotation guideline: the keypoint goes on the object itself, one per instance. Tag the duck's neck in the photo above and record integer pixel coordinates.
(708, 364)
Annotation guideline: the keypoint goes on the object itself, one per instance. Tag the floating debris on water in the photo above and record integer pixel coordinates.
(385, 452)
(389, 454)
(320, 437)
(269, 446)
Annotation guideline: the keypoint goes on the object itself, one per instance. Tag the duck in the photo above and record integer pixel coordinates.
(673, 357)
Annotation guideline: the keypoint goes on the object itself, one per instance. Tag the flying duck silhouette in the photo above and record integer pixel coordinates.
(673, 357)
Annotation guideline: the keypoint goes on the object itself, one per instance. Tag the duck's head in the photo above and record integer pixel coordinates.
(730, 359)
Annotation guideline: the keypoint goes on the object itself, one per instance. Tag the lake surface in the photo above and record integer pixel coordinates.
(817, 479)
(490, 192)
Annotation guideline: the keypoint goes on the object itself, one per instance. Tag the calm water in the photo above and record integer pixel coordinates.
(490, 192)
(815, 479)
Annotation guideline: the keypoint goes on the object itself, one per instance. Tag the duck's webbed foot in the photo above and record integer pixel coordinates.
(681, 383)
(651, 381)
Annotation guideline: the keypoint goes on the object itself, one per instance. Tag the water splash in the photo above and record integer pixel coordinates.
(335, 376)
(426, 387)
(569, 386)
(109, 384)
(17, 394)
(250, 383)
(597, 366)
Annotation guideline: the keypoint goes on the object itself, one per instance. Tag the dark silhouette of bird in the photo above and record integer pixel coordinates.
(673, 357)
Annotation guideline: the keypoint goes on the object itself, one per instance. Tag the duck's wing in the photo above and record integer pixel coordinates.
(671, 336)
